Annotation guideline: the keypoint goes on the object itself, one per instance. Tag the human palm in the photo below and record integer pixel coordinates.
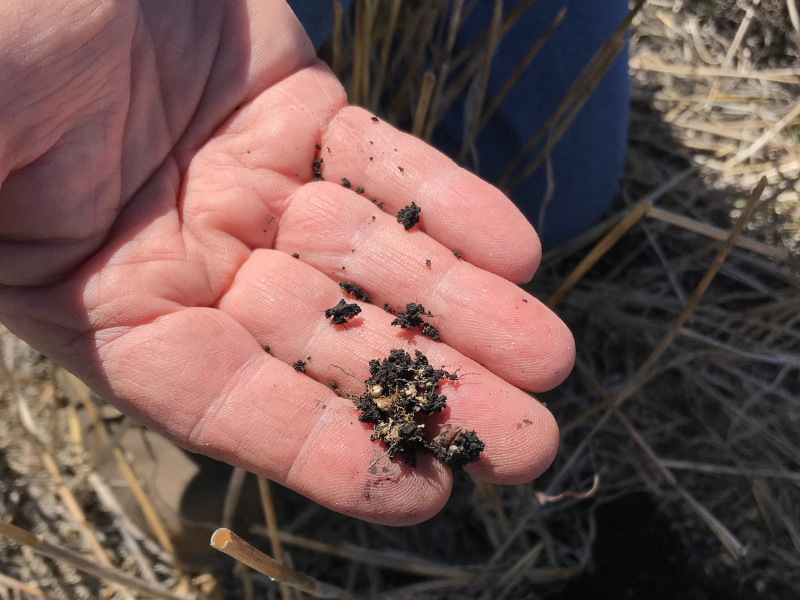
(156, 167)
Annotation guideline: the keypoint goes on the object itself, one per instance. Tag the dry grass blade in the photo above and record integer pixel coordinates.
(603, 246)
(80, 390)
(491, 47)
(746, 153)
(716, 233)
(632, 384)
(336, 38)
(428, 82)
(494, 103)
(272, 529)
(25, 588)
(231, 544)
(578, 93)
(82, 564)
(723, 534)
(388, 560)
(648, 63)
(386, 46)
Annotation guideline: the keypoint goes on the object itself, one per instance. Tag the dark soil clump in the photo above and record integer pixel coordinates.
(412, 318)
(316, 166)
(295, 255)
(409, 216)
(400, 388)
(299, 366)
(346, 182)
(457, 447)
(342, 311)
(355, 292)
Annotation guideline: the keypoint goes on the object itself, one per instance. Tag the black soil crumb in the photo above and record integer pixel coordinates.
(375, 119)
(333, 385)
(428, 262)
(402, 170)
(398, 390)
(341, 312)
(379, 205)
(318, 147)
(316, 168)
(266, 349)
(456, 447)
(359, 190)
(355, 292)
(388, 308)
(411, 318)
(409, 216)
(373, 200)
(524, 299)
(346, 182)
(456, 254)
(299, 366)
(295, 255)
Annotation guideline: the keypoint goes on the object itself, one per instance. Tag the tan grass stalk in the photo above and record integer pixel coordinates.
(272, 529)
(25, 588)
(428, 82)
(336, 39)
(603, 246)
(231, 544)
(391, 27)
(486, 67)
(649, 63)
(715, 233)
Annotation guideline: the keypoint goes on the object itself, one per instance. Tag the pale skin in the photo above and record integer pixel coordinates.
(155, 160)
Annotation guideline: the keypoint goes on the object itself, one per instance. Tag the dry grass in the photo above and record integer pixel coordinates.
(709, 423)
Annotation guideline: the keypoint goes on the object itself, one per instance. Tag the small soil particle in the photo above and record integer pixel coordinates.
(409, 216)
(315, 167)
(299, 366)
(345, 182)
(524, 300)
(359, 190)
(379, 205)
(295, 255)
(402, 170)
(318, 147)
(266, 349)
(428, 262)
(355, 292)
(399, 391)
(374, 119)
(333, 385)
(373, 217)
(373, 200)
(341, 312)
(388, 308)
(456, 254)
(370, 158)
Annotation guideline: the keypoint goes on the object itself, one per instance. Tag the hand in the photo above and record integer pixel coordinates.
(156, 167)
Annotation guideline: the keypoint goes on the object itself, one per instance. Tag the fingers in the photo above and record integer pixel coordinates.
(462, 212)
(281, 302)
(480, 314)
(201, 379)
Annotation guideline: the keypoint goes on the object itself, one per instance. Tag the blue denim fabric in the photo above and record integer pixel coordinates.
(586, 164)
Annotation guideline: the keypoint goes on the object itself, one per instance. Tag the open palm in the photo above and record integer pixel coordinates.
(156, 167)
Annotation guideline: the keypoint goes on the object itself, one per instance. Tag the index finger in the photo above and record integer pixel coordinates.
(459, 210)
